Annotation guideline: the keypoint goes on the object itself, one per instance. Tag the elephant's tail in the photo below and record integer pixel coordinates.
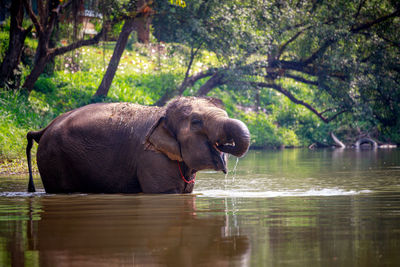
(31, 136)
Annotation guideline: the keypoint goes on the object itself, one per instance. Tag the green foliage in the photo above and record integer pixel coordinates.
(263, 132)
(143, 89)
(4, 37)
(44, 85)
(131, 41)
(17, 117)
(264, 129)
(335, 56)
(311, 130)
(116, 29)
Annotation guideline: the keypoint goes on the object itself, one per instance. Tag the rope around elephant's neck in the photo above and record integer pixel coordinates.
(183, 177)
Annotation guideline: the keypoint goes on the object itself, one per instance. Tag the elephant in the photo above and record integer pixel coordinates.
(131, 148)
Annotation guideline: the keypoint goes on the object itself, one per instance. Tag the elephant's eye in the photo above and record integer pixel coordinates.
(197, 123)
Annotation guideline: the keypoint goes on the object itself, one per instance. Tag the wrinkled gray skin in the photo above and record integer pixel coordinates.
(129, 148)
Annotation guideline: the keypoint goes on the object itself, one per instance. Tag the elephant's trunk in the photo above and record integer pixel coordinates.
(236, 132)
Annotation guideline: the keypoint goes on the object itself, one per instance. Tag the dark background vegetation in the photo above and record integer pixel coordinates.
(293, 71)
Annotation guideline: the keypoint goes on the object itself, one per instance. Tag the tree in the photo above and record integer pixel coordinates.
(9, 67)
(328, 48)
(140, 10)
(187, 26)
(44, 23)
(105, 84)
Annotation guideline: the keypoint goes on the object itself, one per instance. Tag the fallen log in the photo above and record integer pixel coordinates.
(337, 141)
(362, 140)
(366, 140)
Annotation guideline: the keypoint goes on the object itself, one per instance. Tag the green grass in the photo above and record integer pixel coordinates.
(17, 117)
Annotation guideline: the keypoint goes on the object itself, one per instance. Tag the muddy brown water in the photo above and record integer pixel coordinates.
(275, 208)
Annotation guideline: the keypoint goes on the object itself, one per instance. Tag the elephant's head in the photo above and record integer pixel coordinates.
(199, 132)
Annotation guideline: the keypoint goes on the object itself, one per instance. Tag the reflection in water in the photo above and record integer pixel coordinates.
(286, 208)
(119, 230)
(302, 172)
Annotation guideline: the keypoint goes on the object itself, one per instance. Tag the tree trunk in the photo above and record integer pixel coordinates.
(40, 64)
(142, 24)
(104, 87)
(12, 57)
(54, 38)
(142, 27)
(44, 55)
(213, 82)
(44, 25)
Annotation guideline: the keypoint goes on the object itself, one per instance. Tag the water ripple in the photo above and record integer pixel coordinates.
(293, 193)
(22, 194)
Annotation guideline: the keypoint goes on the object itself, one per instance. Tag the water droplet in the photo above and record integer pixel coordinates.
(235, 170)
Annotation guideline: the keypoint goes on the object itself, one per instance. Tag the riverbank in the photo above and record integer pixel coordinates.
(17, 167)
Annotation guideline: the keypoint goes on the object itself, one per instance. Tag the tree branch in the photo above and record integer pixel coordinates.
(392, 42)
(35, 21)
(359, 9)
(41, 12)
(293, 65)
(327, 110)
(193, 53)
(337, 141)
(300, 79)
(51, 20)
(54, 13)
(291, 40)
(62, 50)
(65, 5)
(369, 24)
(319, 52)
(295, 100)
(190, 81)
(215, 80)
(202, 75)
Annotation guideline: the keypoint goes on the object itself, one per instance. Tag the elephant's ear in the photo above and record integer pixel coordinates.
(162, 140)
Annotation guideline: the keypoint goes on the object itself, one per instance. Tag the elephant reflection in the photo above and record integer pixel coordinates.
(139, 230)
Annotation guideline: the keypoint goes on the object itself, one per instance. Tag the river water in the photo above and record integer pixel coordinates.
(275, 208)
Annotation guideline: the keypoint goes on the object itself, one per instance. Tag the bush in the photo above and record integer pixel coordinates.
(44, 85)
(264, 134)
(288, 137)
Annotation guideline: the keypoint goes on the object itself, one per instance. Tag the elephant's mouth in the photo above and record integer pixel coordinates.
(218, 158)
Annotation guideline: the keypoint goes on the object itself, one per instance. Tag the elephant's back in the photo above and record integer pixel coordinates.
(97, 141)
(105, 120)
